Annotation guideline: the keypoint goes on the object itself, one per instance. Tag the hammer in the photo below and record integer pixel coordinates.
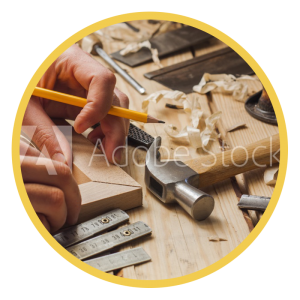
(175, 181)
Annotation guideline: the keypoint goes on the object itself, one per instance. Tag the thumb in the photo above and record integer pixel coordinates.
(48, 138)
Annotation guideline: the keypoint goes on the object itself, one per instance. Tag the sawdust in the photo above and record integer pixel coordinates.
(270, 175)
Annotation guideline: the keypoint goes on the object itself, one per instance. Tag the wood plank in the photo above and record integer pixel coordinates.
(103, 186)
(98, 198)
(234, 112)
(179, 245)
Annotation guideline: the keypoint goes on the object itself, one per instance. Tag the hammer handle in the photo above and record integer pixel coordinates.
(221, 166)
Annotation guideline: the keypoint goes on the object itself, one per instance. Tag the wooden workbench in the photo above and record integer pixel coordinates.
(180, 245)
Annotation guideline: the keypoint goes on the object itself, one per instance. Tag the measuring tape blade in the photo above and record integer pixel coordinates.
(80, 232)
(254, 202)
(109, 240)
(119, 260)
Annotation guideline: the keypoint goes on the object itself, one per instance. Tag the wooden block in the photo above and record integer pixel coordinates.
(103, 186)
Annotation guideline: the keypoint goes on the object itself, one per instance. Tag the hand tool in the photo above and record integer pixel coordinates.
(81, 102)
(254, 202)
(119, 260)
(184, 75)
(109, 240)
(260, 107)
(81, 232)
(96, 49)
(136, 137)
(139, 138)
(175, 181)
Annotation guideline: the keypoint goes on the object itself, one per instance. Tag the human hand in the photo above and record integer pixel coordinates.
(51, 188)
(76, 73)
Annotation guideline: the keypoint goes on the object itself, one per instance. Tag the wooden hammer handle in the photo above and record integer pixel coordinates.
(218, 167)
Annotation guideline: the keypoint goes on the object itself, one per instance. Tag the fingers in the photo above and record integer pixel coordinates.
(27, 149)
(44, 221)
(44, 171)
(94, 78)
(49, 202)
(47, 137)
(114, 130)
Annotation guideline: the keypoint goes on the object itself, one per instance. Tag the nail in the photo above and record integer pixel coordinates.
(59, 157)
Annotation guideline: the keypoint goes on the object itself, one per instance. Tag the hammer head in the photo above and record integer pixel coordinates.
(174, 181)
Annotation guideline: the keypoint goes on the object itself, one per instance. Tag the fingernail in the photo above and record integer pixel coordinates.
(118, 156)
(59, 157)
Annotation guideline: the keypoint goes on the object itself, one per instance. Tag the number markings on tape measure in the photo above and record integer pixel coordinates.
(119, 260)
(109, 240)
(80, 232)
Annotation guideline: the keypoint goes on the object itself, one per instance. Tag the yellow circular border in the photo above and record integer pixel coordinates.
(158, 16)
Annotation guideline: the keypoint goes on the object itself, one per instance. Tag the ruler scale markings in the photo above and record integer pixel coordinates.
(119, 260)
(80, 232)
(109, 240)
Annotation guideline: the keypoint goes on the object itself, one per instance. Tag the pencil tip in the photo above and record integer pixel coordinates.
(160, 121)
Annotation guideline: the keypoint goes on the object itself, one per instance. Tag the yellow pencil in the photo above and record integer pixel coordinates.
(81, 102)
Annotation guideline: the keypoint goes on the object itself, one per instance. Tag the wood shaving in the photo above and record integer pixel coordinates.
(270, 175)
(163, 94)
(236, 126)
(135, 47)
(195, 137)
(224, 83)
(215, 238)
(121, 32)
(190, 106)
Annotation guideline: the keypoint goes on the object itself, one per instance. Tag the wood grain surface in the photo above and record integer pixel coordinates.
(180, 245)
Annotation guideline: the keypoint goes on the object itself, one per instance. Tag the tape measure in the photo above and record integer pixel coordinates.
(109, 240)
(81, 232)
(119, 260)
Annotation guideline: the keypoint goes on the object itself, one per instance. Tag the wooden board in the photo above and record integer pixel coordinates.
(183, 76)
(179, 245)
(103, 186)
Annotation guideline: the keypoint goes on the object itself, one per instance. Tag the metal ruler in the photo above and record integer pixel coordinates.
(78, 233)
(254, 202)
(109, 240)
(119, 260)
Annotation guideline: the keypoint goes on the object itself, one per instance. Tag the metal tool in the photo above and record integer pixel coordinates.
(81, 232)
(175, 181)
(97, 50)
(260, 107)
(138, 137)
(119, 260)
(254, 202)
(109, 240)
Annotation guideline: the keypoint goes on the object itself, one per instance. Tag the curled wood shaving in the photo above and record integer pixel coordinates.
(135, 47)
(121, 32)
(163, 94)
(190, 106)
(193, 134)
(270, 175)
(196, 138)
(224, 83)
